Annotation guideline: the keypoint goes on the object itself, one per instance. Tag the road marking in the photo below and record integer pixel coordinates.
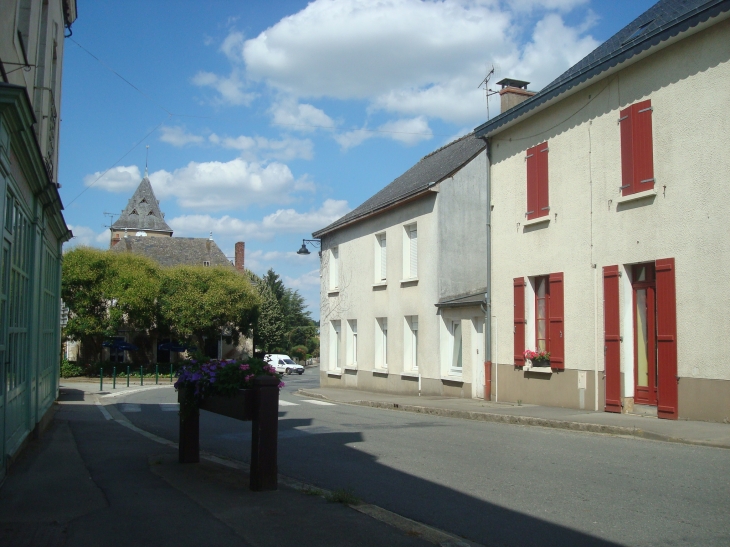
(287, 403)
(169, 407)
(130, 391)
(104, 411)
(130, 407)
(315, 402)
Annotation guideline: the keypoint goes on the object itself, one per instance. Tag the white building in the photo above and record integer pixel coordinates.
(403, 277)
(610, 241)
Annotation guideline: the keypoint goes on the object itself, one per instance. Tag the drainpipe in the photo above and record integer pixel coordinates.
(487, 304)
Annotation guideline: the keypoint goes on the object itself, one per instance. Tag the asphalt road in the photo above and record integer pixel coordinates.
(491, 483)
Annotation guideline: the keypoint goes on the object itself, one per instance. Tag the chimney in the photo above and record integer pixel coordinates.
(240, 252)
(513, 92)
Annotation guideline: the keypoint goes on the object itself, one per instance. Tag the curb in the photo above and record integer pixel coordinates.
(519, 420)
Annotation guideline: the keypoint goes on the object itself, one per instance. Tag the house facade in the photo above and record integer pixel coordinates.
(610, 246)
(403, 283)
(32, 226)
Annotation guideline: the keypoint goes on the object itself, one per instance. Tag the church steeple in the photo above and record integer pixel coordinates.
(142, 216)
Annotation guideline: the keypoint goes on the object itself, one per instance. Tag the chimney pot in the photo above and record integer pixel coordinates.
(513, 92)
(240, 255)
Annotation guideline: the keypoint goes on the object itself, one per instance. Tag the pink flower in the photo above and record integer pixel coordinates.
(245, 366)
(281, 385)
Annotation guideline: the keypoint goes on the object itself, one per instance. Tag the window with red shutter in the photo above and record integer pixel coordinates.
(519, 321)
(666, 335)
(612, 338)
(556, 328)
(538, 203)
(637, 149)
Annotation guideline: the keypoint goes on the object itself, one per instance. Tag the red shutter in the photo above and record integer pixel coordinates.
(627, 151)
(643, 147)
(519, 330)
(557, 326)
(533, 208)
(666, 328)
(612, 338)
(543, 201)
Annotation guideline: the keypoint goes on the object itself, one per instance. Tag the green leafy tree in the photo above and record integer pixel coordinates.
(269, 329)
(299, 352)
(275, 283)
(196, 301)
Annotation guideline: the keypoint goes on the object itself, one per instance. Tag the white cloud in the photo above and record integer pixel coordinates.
(408, 131)
(300, 117)
(282, 221)
(408, 57)
(117, 179)
(252, 148)
(231, 88)
(309, 279)
(85, 236)
(178, 136)
(215, 185)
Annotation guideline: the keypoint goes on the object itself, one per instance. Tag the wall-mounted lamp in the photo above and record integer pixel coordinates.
(313, 242)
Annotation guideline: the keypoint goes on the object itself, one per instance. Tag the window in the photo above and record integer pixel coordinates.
(637, 154)
(457, 361)
(381, 258)
(538, 204)
(206, 263)
(410, 343)
(381, 343)
(538, 318)
(410, 252)
(352, 342)
(334, 268)
(335, 353)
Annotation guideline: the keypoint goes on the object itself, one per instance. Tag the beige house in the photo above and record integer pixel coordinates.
(32, 227)
(610, 242)
(403, 279)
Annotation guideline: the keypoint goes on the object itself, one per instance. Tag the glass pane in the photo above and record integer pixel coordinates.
(456, 361)
(541, 287)
(541, 308)
(641, 275)
(642, 360)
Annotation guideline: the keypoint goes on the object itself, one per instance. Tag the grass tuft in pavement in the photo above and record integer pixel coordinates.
(343, 495)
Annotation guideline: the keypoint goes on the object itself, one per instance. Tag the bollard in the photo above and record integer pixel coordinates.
(114, 378)
(141, 376)
(264, 434)
(101, 379)
(189, 445)
(170, 372)
(157, 373)
(127, 376)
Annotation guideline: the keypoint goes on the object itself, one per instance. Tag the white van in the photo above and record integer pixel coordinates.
(283, 363)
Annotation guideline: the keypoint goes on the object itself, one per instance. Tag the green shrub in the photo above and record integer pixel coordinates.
(69, 369)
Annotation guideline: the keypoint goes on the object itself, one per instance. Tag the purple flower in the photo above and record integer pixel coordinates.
(281, 385)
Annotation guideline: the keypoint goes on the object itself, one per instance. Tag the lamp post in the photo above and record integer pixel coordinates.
(315, 243)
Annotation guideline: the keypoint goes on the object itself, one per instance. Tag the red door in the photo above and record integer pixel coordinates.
(645, 354)
(668, 405)
(612, 338)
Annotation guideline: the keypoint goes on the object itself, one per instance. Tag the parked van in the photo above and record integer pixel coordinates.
(283, 363)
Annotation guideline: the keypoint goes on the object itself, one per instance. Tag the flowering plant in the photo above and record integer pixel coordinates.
(538, 358)
(201, 379)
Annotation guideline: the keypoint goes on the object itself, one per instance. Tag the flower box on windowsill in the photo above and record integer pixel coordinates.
(543, 367)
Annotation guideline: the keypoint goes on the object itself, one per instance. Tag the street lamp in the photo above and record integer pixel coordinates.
(313, 242)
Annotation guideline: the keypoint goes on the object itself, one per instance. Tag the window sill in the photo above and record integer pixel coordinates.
(410, 373)
(538, 220)
(412, 281)
(333, 292)
(454, 378)
(380, 284)
(637, 195)
(334, 373)
(380, 372)
(351, 367)
(538, 370)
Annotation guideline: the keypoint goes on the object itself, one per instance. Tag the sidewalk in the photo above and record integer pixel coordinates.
(681, 431)
(91, 481)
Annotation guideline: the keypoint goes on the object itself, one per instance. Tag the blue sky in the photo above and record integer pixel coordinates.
(268, 120)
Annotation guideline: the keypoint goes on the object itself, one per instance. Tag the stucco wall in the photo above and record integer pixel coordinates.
(687, 84)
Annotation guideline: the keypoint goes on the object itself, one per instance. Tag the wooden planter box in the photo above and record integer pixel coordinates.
(259, 405)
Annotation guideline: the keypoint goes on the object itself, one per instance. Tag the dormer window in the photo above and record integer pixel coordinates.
(144, 200)
(134, 212)
(151, 214)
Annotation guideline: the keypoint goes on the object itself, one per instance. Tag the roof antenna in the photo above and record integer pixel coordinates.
(487, 91)
(147, 157)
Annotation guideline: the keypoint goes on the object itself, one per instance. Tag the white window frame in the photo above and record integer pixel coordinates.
(410, 342)
(410, 251)
(335, 345)
(456, 355)
(380, 273)
(351, 360)
(334, 269)
(381, 343)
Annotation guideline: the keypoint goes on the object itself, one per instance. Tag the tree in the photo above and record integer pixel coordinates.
(275, 283)
(269, 328)
(197, 301)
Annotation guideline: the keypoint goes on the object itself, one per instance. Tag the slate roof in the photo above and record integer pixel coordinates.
(664, 20)
(174, 251)
(142, 212)
(432, 168)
